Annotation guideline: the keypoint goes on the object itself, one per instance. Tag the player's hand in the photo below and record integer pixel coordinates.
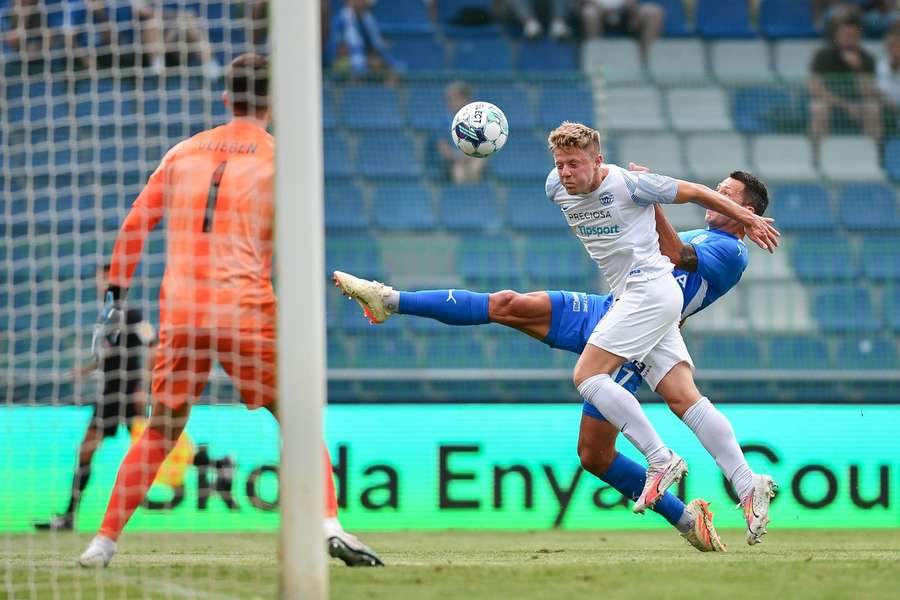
(638, 168)
(112, 318)
(762, 232)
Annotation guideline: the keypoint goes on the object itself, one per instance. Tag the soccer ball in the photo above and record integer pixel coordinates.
(479, 129)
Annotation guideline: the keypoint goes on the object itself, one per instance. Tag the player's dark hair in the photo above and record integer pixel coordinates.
(105, 267)
(247, 82)
(755, 192)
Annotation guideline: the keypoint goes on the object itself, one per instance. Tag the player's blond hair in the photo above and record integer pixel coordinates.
(574, 135)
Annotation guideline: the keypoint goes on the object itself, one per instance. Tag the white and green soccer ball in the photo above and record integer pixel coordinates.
(479, 129)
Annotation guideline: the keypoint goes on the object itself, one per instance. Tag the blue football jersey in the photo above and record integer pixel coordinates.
(721, 261)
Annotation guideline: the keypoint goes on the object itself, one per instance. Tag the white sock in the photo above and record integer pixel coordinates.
(332, 525)
(623, 410)
(392, 301)
(686, 522)
(715, 433)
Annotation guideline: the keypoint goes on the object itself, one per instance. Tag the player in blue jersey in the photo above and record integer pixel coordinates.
(709, 262)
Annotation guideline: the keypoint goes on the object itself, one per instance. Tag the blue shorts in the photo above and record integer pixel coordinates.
(573, 317)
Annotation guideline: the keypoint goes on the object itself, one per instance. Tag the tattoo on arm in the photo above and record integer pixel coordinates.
(687, 260)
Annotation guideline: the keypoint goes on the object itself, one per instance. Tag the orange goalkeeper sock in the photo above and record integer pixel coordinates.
(136, 474)
(331, 503)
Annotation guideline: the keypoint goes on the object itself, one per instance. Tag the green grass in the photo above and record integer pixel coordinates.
(470, 565)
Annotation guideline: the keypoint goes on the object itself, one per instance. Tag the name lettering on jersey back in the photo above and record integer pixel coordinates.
(231, 147)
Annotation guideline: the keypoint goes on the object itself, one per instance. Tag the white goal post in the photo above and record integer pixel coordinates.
(297, 87)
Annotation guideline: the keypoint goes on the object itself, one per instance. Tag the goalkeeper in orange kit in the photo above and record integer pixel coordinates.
(216, 302)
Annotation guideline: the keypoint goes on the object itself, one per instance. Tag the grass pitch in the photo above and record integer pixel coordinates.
(472, 565)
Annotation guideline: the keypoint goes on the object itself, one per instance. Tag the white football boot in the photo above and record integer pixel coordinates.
(348, 548)
(98, 554)
(369, 294)
(755, 506)
(702, 534)
(659, 478)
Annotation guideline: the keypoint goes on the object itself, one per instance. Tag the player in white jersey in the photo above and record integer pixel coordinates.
(611, 212)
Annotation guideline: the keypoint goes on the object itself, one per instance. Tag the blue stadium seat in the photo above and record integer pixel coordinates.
(513, 100)
(729, 352)
(845, 309)
(717, 19)
(867, 353)
(512, 350)
(377, 348)
(429, 109)
(338, 351)
(487, 257)
(798, 352)
(451, 11)
(576, 104)
(418, 53)
(527, 208)
(523, 157)
(388, 156)
(345, 206)
(880, 256)
(402, 16)
(892, 307)
(802, 206)
(371, 107)
(482, 54)
(557, 262)
(338, 160)
(760, 109)
(824, 257)
(454, 349)
(547, 55)
(355, 254)
(892, 159)
(469, 207)
(403, 206)
(786, 18)
(868, 206)
(676, 24)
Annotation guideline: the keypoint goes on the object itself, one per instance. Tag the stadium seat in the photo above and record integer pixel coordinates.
(523, 157)
(576, 104)
(729, 352)
(798, 352)
(634, 108)
(892, 307)
(711, 157)
(761, 109)
(661, 151)
(824, 257)
(513, 350)
(786, 19)
(779, 306)
(528, 209)
(329, 108)
(685, 217)
(868, 207)
(740, 62)
(676, 23)
(371, 107)
(845, 309)
(677, 62)
(487, 257)
(345, 206)
(481, 54)
(867, 353)
(880, 256)
(617, 60)
(699, 109)
(338, 160)
(857, 156)
(355, 254)
(557, 262)
(892, 159)
(515, 102)
(402, 16)
(418, 53)
(784, 157)
(454, 349)
(469, 207)
(794, 57)
(403, 206)
(387, 157)
(377, 348)
(431, 111)
(547, 55)
(717, 19)
(802, 206)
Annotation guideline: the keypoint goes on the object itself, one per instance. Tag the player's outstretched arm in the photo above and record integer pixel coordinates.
(682, 255)
(759, 229)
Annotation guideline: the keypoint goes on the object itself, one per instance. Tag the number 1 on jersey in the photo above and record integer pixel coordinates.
(212, 196)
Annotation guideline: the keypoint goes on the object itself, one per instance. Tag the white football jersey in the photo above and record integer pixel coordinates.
(616, 223)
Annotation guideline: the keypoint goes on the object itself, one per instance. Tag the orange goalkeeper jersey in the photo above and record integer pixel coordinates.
(215, 191)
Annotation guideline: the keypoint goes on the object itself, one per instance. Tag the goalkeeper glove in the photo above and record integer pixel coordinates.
(112, 317)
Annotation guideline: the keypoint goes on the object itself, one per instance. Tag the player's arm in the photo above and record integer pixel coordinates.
(682, 255)
(759, 229)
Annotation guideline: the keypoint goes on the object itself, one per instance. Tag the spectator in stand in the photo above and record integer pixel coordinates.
(355, 46)
(92, 33)
(876, 16)
(529, 13)
(888, 79)
(164, 27)
(842, 84)
(642, 20)
(24, 30)
(458, 167)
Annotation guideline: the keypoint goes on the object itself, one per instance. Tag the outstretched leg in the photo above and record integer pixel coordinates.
(93, 437)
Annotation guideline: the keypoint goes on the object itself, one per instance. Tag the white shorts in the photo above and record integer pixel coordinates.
(670, 351)
(640, 318)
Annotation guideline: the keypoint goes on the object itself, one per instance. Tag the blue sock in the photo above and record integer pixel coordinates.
(628, 477)
(453, 307)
